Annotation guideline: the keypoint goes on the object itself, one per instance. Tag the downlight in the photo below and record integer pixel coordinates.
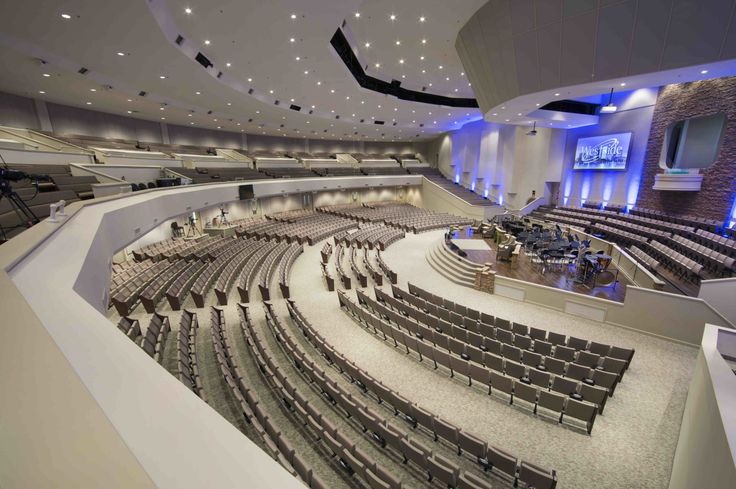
(609, 108)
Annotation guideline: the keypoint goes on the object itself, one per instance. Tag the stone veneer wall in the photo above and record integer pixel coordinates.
(683, 101)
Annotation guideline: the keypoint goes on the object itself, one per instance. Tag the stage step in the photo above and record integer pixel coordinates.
(456, 261)
(448, 267)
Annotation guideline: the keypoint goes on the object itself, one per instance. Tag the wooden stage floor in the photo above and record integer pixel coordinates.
(525, 270)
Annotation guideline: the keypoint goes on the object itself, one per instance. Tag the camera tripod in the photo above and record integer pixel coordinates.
(25, 215)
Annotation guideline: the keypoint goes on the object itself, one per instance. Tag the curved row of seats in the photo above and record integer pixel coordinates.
(154, 292)
(179, 288)
(362, 278)
(493, 377)
(625, 355)
(186, 353)
(154, 341)
(294, 251)
(268, 268)
(421, 420)
(251, 268)
(392, 276)
(227, 276)
(205, 280)
(344, 277)
(374, 272)
(127, 295)
(277, 445)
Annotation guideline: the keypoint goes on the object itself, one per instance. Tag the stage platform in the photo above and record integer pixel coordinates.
(482, 251)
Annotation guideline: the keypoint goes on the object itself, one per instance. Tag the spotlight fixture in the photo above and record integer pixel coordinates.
(66, 16)
(609, 108)
(533, 132)
(187, 10)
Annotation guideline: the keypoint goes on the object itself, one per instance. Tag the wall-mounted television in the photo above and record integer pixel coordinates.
(606, 152)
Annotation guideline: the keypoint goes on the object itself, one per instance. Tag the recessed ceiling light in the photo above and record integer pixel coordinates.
(92, 89)
(120, 53)
(298, 58)
(160, 108)
(362, 102)
(507, 120)
(207, 42)
(163, 77)
(197, 93)
(398, 43)
(332, 90)
(130, 100)
(703, 72)
(250, 80)
(191, 123)
(130, 111)
(430, 84)
(519, 114)
(392, 17)
(319, 83)
(347, 98)
(258, 111)
(357, 15)
(46, 75)
(271, 92)
(292, 39)
(163, 118)
(187, 10)
(456, 89)
(537, 105)
(379, 106)
(89, 103)
(378, 65)
(41, 92)
(462, 74)
(424, 71)
(189, 115)
(447, 78)
(401, 61)
(440, 66)
(422, 19)
(293, 16)
(557, 95)
(367, 44)
(66, 16)
(495, 113)
(229, 104)
(313, 106)
(623, 84)
(228, 64)
(306, 72)
(291, 101)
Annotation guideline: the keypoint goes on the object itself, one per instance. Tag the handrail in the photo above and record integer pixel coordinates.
(62, 142)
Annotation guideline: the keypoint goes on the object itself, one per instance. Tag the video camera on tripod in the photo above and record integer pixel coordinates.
(25, 215)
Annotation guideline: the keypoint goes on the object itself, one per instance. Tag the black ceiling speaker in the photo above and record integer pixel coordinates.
(337, 117)
(142, 93)
(310, 112)
(250, 120)
(203, 60)
(179, 40)
(250, 91)
(83, 71)
(295, 107)
(209, 112)
(276, 102)
(219, 74)
(380, 123)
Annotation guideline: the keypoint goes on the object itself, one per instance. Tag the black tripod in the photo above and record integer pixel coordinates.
(25, 215)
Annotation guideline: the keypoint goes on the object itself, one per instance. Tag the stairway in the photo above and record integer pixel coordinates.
(451, 266)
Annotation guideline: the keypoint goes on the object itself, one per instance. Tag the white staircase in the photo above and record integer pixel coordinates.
(453, 267)
(233, 155)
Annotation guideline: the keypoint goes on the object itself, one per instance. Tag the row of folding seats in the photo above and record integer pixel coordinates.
(352, 458)
(130, 327)
(268, 269)
(251, 268)
(225, 279)
(505, 378)
(154, 340)
(644, 258)
(723, 243)
(620, 235)
(362, 278)
(127, 295)
(489, 457)
(344, 277)
(177, 291)
(536, 334)
(600, 380)
(715, 261)
(154, 292)
(214, 268)
(392, 276)
(325, 252)
(253, 413)
(285, 267)
(684, 266)
(374, 272)
(186, 353)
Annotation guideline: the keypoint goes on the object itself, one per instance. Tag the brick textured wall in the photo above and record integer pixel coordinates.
(683, 101)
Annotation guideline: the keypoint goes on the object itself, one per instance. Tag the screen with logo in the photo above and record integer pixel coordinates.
(609, 152)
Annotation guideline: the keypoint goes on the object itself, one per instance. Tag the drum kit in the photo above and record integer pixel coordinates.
(592, 269)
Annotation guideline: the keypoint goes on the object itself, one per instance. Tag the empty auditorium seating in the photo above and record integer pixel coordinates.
(396, 214)
(188, 370)
(225, 174)
(154, 340)
(434, 176)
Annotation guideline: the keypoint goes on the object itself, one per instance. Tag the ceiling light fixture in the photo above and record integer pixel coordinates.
(398, 43)
(401, 61)
(250, 80)
(422, 19)
(293, 16)
(292, 39)
(89, 103)
(609, 108)
(197, 93)
(66, 16)
(298, 58)
(163, 77)
(41, 92)
(46, 75)
(129, 111)
(92, 89)
(357, 15)
(120, 53)
(228, 64)
(378, 65)
(557, 95)
(207, 42)
(703, 72)
(424, 41)
(367, 44)
(187, 11)
(392, 17)
(623, 84)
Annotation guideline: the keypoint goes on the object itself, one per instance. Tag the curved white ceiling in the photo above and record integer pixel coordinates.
(255, 38)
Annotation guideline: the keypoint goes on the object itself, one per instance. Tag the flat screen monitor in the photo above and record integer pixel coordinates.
(246, 192)
(607, 152)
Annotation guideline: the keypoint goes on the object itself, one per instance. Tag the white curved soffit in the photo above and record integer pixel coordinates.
(511, 48)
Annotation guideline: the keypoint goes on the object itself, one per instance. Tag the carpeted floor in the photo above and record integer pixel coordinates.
(632, 444)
